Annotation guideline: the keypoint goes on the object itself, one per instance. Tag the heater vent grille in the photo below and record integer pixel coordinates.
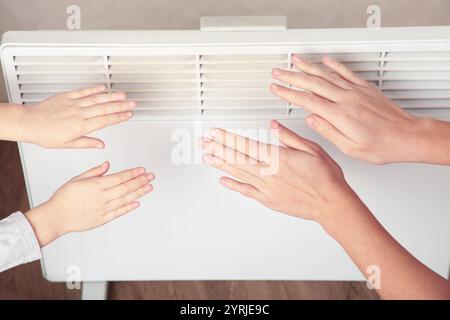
(229, 82)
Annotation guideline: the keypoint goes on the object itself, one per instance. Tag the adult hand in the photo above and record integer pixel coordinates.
(356, 116)
(310, 185)
(88, 201)
(299, 178)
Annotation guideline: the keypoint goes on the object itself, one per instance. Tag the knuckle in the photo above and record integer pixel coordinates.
(352, 96)
(142, 180)
(96, 183)
(314, 82)
(317, 149)
(91, 100)
(104, 121)
(347, 149)
(333, 77)
(211, 147)
(270, 201)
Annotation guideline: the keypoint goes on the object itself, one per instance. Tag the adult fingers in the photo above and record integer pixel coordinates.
(231, 169)
(292, 140)
(249, 147)
(344, 72)
(231, 156)
(242, 188)
(328, 131)
(308, 101)
(310, 83)
(316, 70)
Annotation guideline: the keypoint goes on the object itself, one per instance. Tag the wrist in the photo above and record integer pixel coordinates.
(42, 220)
(345, 210)
(13, 122)
(431, 142)
(26, 124)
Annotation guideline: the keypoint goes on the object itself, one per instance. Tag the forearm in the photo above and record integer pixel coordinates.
(431, 142)
(12, 122)
(369, 244)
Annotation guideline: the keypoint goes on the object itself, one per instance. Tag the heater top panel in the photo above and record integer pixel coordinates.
(223, 75)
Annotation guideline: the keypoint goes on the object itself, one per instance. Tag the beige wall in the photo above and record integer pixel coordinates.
(185, 14)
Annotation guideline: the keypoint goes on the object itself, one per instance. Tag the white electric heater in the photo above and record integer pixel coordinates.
(188, 81)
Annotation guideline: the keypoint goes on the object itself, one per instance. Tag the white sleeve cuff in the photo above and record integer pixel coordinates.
(18, 243)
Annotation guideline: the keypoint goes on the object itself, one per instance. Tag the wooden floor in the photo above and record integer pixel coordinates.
(26, 282)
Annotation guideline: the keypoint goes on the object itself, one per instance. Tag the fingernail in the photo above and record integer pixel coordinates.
(148, 187)
(100, 145)
(311, 120)
(205, 141)
(208, 158)
(104, 164)
(120, 95)
(214, 133)
(275, 124)
(274, 87)
(150, 176)
(135, 204)
(326, 58)
(129, 114)
(276, 72)
(295, 57)
(101, 88)
(132, 103)
(140, 171)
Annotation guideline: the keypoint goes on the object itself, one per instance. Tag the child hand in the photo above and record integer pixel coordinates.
(64, 120)
(88, 201)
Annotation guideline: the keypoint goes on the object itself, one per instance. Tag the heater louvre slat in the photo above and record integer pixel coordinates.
(423, 104)
(362, 66)
(153, 69)
(417, 75)
(418, 56)
(52, 88)
(419, 94)
(344, 57)
(152, 60)
(60, 78)
(57, 60)
(418, 65)
(415, 85)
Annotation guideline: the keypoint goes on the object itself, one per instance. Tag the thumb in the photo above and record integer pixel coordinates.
(94, 172)
(291, 139)
(327, 130)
